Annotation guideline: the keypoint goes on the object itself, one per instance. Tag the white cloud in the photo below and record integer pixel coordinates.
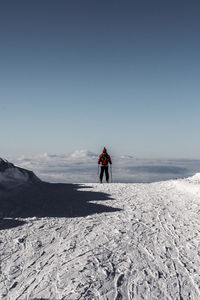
(126, 157)
(81, 166)
(83, 154)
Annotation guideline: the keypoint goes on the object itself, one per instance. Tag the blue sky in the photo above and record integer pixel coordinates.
(84, 74)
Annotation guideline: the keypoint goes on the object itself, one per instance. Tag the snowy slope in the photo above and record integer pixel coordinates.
(11, 175)
(119, 241)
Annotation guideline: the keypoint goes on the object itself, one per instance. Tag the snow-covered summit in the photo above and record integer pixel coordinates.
(189, 185)
(4, 164)
(13, 174)
(195, 178)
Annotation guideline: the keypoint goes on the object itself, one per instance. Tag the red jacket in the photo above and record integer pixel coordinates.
(104, 159)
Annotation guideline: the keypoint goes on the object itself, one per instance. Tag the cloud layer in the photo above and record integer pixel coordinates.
(81, 166)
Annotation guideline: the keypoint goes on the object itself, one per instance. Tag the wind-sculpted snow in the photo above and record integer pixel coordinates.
(147, 247)
(190, 185)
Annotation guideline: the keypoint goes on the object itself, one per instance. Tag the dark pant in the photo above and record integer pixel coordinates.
(104, 168)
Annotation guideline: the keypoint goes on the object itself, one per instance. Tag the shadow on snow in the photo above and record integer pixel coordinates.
(49, 200)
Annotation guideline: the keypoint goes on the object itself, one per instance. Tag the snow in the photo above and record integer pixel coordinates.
(101, 241)
(12, 176)
(191, 185)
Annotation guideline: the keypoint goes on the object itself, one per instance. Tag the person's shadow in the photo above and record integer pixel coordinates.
(49, 200)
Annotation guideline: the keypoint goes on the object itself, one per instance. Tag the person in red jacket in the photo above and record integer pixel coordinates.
(103, 161)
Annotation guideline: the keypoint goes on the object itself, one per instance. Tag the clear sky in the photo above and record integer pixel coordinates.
(84, 74)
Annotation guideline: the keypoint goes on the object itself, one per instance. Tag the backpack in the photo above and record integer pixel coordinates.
(104, 159)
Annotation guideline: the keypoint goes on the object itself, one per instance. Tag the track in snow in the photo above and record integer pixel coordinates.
(148, 250)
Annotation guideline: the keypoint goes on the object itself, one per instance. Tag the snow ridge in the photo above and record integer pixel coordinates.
(11, 174)
(189, 185)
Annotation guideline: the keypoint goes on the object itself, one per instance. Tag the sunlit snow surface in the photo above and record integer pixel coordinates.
(145, 246)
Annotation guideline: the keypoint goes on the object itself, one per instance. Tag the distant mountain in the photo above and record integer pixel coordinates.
(9, 173)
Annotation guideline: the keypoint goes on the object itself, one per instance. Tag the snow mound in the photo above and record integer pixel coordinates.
(190, 184)
(194, 179)
(9, 173)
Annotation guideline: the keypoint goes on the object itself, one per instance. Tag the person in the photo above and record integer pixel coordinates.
(103, 161)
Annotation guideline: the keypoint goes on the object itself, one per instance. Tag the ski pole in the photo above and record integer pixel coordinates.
(111, 173)
(98, 171)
